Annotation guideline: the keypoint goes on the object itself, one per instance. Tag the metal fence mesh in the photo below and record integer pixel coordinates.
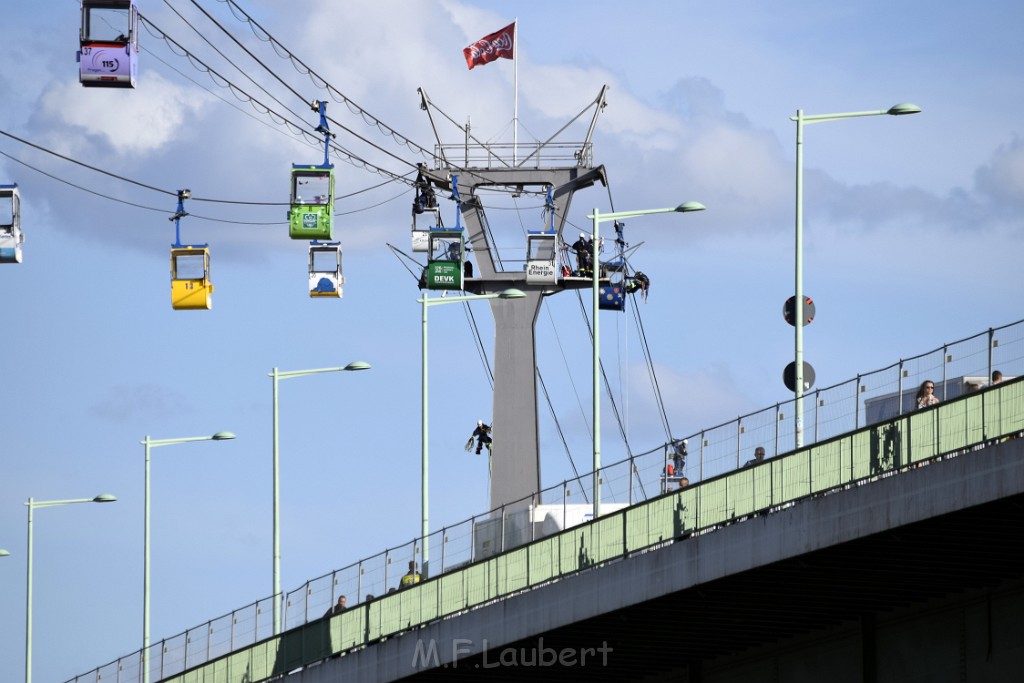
(879, 396)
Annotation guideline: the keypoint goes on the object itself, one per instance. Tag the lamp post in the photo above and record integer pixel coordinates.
(506, 294)
(598, 218)
(149, 443)
(32, 505)
(798, 310)
(276, 375)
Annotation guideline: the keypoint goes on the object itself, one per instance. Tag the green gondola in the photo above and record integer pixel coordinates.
(312, 202)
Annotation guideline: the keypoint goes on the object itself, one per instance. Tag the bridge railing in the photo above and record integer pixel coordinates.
(955, 427)
(461, 555)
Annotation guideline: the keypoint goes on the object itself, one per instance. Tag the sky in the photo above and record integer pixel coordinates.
(913, 233)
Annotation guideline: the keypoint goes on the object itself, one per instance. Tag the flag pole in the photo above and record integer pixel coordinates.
(515, 87)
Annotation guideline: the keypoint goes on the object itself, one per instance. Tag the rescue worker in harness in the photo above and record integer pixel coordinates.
(638, 282)
(425, 198)
(584, 248)
(482, 436)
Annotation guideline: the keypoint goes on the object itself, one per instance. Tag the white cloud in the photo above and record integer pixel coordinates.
(738, 164)
(1002, 180)
(127, 403)
(560, 92)
(702, 397)
(133, 122)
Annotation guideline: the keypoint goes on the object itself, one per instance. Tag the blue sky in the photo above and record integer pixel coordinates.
(913, 232)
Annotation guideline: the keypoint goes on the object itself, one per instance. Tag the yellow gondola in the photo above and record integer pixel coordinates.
(190, 278)
(190, 267)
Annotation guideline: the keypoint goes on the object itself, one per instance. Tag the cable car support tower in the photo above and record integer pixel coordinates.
(561, 169)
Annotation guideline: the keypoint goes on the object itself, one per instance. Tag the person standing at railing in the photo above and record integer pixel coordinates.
(679, 456)
(997, 377)
(411, 577)
(926, 395)
(337, 608)
(758, 457)
(584, 249)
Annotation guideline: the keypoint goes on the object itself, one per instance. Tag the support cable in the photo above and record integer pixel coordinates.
(293, 90)
(228, 60)
(321, 82)
(650, 370)
(157, 189)
(302, 130)
(561, 434)
(547, 397)
(479, 343)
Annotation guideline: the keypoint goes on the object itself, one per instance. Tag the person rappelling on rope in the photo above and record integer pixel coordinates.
(482, 437)
(638, 282)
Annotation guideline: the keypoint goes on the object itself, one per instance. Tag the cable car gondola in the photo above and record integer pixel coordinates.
(541, 250)
(109, 50)
(540, 258)
(325, 278)
(424, 206)
(446, 252)
(312, 191)
(611, 297)
(421, 236)
(190, 277)
(190, 268)
(445, 265)
(11, 237)
(312, 202)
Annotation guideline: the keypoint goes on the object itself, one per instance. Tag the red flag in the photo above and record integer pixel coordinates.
(491, 47)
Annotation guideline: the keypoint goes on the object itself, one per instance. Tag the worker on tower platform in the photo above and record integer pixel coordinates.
(584, 248)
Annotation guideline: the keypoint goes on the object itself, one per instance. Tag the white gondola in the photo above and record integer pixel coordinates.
(109, 44)
(422, 223)
(325, 277)
(541, 252)
(426, 215)
(11, 237)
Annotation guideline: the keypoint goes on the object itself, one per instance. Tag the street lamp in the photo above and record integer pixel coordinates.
(153, 443)
(33, 504)
(277, 375)
(798, 302)
(506, 294)
(598, 218)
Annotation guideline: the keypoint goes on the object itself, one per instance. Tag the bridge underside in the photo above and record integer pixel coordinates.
(848, 598)
(919, 576)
